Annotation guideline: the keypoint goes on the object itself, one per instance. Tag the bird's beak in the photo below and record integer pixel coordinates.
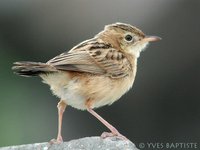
(151, 38)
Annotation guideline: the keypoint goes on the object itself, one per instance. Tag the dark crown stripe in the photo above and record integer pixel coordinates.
(129, 28)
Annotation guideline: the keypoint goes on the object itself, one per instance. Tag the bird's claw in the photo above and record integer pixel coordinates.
(56, 141)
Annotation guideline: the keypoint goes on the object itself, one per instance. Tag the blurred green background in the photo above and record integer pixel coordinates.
(165, 100)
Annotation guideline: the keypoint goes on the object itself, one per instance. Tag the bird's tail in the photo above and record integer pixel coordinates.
(28, 69)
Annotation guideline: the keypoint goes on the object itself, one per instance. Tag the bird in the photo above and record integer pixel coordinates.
(94, 73)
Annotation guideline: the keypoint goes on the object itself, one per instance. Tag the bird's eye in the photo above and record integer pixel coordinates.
(129, 38)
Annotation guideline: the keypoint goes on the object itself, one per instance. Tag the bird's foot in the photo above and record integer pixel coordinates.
(110, 134)
(59, 140)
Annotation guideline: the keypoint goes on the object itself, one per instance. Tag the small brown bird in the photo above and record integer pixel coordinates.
(94, 73)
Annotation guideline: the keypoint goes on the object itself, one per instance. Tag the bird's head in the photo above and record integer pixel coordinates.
(126, 38)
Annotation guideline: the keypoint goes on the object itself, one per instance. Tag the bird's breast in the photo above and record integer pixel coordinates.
(106, 90)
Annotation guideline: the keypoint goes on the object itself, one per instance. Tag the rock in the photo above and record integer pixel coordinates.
(87, 143)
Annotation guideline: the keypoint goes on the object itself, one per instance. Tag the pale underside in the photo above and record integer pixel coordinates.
(77, 91)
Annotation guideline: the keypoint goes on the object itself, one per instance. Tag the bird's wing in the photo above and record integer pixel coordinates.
(96, 59)
(76, 61)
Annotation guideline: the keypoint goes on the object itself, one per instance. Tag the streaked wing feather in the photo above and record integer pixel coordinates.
(80, 61)
(95, 59)
(113, 61)
(71, 58)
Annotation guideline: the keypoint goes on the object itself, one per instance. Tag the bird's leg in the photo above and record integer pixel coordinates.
(114, 131)
(61, 108)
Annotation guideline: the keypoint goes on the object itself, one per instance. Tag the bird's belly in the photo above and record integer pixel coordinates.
(77, 90)
(66, 88)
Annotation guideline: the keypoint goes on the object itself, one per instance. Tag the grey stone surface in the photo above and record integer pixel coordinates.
(87, 143)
